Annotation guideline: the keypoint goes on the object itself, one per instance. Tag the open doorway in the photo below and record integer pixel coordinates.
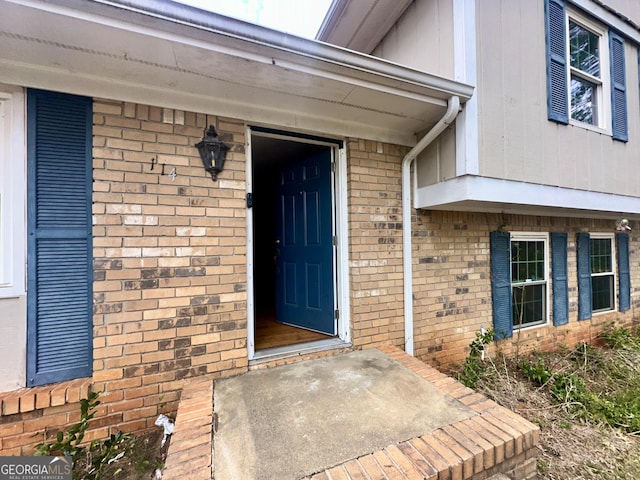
(294, 278)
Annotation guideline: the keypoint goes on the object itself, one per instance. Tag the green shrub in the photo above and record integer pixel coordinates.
(473, 368)
(569, 388)
(90, 459)
(537, 372)
(622, 338)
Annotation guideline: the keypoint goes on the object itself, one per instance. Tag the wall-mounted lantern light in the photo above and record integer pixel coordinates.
(212, 152)
(622, 225)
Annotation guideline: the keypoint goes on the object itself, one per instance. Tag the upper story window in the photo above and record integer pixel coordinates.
(586, 86)
(586, 81)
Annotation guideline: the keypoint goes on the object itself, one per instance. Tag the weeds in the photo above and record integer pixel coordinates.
(474, 367)
(614, 398)
(537, 372)
(622, 339)
(586, 401)
(90, 459)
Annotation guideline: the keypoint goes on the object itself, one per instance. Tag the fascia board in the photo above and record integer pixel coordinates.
(169, 19)
(475, 193)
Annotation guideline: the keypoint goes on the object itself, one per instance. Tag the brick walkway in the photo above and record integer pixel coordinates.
(494, 441)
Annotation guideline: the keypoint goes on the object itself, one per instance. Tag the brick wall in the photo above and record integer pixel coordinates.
(451, 267)
(375, 244)
(169, 274)
(170, 258)
(452, 283)
(170, 270)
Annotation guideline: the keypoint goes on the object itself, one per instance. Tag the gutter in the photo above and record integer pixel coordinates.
(453, 108)
(334, 60)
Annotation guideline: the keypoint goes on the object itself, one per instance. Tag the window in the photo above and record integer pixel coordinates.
(12, 191)
(585, 72)
(598, 273)
(519, 280)
(602, 274)
(528, 280)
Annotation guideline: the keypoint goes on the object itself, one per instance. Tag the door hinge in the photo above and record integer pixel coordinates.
(336, 314)
(334, 240)
(249, 200)
(333, 167)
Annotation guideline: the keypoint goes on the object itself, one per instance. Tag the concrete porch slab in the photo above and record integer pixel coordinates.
(460, 435)
(295, 420)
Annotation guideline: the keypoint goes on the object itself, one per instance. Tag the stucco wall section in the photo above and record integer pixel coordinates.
(170, 258)
(13, 343)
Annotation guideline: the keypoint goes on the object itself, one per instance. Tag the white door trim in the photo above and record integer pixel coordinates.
(251, 311)
(341, 253)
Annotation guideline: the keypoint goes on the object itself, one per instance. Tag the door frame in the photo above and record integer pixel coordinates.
(341, 252)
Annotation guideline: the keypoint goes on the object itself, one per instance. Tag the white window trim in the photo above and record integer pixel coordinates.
(604, 92)
(614, 271)
(536, 237)
(12, 192)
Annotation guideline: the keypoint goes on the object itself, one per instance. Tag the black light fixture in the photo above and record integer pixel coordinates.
(212, 152)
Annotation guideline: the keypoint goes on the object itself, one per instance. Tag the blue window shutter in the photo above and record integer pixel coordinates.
(618, 88)
(556, 40)
(59, 249)
(559, 278)
(584, 276)
(624, 278)
(501, 284)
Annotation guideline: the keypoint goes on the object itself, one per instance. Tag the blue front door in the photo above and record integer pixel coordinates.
(303, 244)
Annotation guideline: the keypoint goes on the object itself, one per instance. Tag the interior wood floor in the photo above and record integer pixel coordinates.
(270, 334)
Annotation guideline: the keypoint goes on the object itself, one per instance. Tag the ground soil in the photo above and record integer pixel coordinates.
(144, 455)
(572, 447)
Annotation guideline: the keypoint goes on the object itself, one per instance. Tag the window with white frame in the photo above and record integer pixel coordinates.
(588, 68)
(602, 273)
(586, 79)
(529, 277)
(12, 185)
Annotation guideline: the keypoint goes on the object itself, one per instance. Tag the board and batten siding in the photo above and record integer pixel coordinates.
(516, 140)
(422, 38)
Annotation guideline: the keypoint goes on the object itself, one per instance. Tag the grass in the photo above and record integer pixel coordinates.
(586, 401)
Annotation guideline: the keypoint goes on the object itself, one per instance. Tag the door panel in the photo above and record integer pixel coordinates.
(304, 248)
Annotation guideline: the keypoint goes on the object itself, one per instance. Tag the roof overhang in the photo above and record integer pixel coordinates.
(161, 53)
(360, 25)
(471, 193)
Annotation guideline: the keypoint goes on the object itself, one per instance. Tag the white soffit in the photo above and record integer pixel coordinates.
(471, 193)
(162, 53)
(360, 25)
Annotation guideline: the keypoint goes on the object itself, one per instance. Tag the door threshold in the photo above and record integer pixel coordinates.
(276, 353)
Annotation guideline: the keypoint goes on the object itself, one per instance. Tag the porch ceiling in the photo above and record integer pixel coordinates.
(166, 54)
